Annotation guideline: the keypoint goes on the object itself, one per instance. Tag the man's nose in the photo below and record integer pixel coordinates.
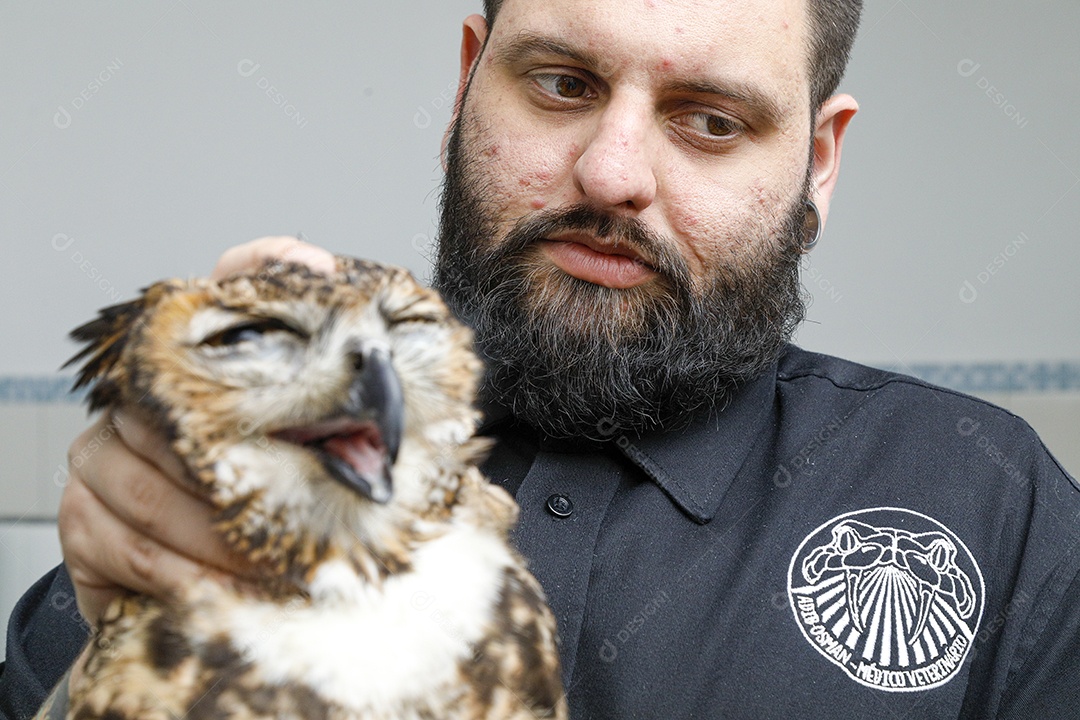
(616, 170)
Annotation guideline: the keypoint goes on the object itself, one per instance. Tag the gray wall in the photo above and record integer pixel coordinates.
(962, 167)
(138, 140)
(189, 126)
(143, 138)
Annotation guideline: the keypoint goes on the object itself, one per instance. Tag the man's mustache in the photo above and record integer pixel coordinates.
(659, 254)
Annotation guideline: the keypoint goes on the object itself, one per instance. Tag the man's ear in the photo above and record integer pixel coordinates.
(832, 121)
(473, 34)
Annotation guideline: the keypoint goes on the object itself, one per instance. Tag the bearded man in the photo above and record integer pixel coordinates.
(725, 525)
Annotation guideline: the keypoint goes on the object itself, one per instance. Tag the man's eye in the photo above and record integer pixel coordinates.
(248, 332)
(566, 86)
(716, 126)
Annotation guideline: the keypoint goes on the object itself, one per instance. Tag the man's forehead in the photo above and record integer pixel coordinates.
(748, 41)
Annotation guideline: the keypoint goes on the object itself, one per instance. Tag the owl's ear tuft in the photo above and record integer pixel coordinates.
(105, 338)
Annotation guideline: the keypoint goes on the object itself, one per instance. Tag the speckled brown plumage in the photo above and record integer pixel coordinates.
(329, 420)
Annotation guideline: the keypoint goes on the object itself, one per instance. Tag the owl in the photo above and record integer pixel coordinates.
(329, 420)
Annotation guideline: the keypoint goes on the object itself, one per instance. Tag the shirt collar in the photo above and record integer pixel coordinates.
(695, 466)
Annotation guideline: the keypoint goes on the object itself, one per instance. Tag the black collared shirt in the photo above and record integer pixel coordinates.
(839, 542)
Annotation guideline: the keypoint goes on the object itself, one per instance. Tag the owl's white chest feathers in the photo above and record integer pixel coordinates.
(371, 649)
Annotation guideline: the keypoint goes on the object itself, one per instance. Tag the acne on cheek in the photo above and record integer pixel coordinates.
(538, 172)
(760, 195)
(532, 182)
(767, 198)
(498, 187)
(540, 177)
(519, 178)
(727, 230)
(536, 183)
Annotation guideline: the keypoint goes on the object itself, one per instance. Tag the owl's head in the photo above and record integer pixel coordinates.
(310, 409)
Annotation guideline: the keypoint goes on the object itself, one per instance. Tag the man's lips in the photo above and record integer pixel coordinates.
(589, 259)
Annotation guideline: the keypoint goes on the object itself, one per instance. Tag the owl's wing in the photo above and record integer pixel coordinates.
(515, 671)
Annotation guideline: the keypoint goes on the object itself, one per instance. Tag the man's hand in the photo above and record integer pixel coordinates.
(288, 249)
(128, 519)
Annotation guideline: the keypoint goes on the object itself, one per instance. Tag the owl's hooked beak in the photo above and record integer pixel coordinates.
(358, 445)
(377, 391)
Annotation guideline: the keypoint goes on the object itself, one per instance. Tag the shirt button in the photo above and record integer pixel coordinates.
(560, 506)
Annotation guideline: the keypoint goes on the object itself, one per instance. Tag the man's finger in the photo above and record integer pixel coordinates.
(139, 495)
(288, 249)
(143, 441)
(114, 558)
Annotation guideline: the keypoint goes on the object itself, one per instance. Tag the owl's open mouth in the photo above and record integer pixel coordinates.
(351, 451)
(359, 443)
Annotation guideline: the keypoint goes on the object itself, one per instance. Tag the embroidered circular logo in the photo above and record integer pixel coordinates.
(890, 595)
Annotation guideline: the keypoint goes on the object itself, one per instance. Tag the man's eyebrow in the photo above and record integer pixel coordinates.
(760, 103)
(528, 44)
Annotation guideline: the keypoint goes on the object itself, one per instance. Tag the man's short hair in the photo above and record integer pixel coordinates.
(832, 31)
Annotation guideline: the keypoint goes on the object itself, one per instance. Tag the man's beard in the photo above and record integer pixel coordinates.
(575, 359)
